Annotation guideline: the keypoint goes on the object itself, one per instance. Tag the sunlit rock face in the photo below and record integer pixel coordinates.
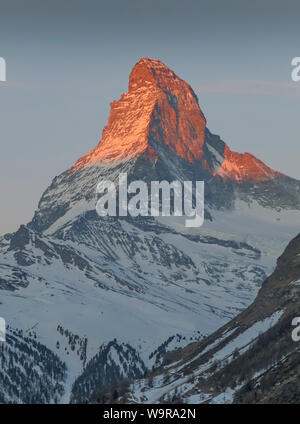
(158, 105)
(240, 167)
(162, 109)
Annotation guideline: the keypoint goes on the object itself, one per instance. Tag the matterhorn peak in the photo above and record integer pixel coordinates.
(161, 109)
(158, 108)
(149, 73)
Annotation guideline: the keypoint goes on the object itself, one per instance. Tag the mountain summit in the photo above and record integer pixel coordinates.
(157, 132)
(162, 109)
(159, 106)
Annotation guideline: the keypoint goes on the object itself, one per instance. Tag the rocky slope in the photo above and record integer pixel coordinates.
(252, 359)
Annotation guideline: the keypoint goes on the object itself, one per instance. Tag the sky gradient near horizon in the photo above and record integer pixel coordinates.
(66, 61)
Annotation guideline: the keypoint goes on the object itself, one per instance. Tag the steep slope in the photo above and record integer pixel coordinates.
(150, 283)
(252, 359)
(159, 106)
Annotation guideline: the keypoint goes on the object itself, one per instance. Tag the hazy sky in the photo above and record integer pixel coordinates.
(66, 60)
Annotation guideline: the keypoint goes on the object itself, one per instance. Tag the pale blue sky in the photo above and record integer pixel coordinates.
(67, 60)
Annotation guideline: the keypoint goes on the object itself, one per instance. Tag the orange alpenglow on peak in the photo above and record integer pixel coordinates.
(244, 166)
(161, 108)
(158, 105)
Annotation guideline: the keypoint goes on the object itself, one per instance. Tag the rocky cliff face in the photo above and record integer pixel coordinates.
(162, 109)
(159, 107)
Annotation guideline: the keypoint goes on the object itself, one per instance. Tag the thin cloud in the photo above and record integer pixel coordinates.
(252, 87)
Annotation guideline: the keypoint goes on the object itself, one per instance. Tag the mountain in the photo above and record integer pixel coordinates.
(252, 359)
(142, 286)
(157, 131)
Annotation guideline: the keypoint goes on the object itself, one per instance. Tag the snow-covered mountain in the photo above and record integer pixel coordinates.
(252, 359)
(150, 284)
